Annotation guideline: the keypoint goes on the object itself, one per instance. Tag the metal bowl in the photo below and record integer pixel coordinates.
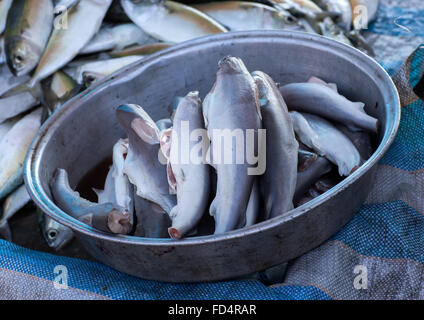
(82, 133)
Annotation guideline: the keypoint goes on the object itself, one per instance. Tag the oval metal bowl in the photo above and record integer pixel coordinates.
(82, 133)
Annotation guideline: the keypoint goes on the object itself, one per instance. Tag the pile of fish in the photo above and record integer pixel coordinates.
(52, 50)
(308, 135)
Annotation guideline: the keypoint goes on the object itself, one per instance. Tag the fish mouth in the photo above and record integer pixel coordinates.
(231, 64)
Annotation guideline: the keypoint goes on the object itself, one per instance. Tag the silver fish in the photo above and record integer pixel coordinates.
(279, 179)
(6, 126)
(116, 37)
(62, 88)
(82, 23)
(16, 104)
(105, 217)
(4, 9)
(360, 139)
(333, 144)
(13, 149)
(102, 68)
(187, 176)
(8, 80)
(232, 104)
(142, 165)
(243, 15)
(170, 21)
(164, 124)
(13, 203)
(28, 28)
(324, 101)
(142, 50)
(305, 159)
(56, 235)
(117, 188)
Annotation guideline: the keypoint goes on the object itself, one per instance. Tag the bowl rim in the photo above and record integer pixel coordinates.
(34, 155)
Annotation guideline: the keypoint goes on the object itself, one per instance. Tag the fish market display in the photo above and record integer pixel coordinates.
(51, 50)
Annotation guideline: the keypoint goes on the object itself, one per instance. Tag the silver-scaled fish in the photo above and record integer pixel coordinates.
(105, 217)
(279, 179)
(142, 165)
(13, 149)
(187, 176)
(170, 21)
(66, 41)
(28, 28)
(56, 235)
(332, 143)
(242, 15)
(140, 50)
(12, 204)
(323, 100)
(62, 88)
(116, 37)
(232, 104)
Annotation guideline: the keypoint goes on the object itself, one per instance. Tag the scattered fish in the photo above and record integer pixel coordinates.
(243, 15)
(13, 149)
(11, 205)
(324, 101)
(116, 37)
(83, 22)
(105, 217)
(142, 50)
(28, 28)
(170, 21)
(334, 145)
(187, 176)
(102, 68)
(142, 165)
(56, 235)
(279, 179)
(231, 104)
(16, 104)
(6, 126)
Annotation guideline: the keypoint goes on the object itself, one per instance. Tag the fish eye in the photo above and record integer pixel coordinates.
(51, 234)
(19, 58)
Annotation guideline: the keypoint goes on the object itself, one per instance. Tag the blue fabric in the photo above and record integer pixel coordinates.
(388, 230)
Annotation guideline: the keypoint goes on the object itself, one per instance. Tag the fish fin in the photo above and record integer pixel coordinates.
(165, 142)
(145, 131)
(360, 106)
(5, 231)
(98, 193)
(35, 90)
(87, 219)
(332, 86)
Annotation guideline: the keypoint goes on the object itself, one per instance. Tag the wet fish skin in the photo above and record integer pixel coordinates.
(83, 22)
(28, 28)
(252, 211)
(243, 15)
(140, 50)
(279, 179)
(142, 164)
(231, 104)
(13, 149)
(170, 21)
(100, 216)
(11, 205)
(334, 145)
(360, 139)
(12, 106)
(56, 235)
(116, 37)
(321, 100)
(187, 178)
(61, 89)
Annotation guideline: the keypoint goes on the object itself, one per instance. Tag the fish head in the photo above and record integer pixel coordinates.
(56, 235)
(134, 119)
(119, 221)
(231, 64)
(22, 57)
